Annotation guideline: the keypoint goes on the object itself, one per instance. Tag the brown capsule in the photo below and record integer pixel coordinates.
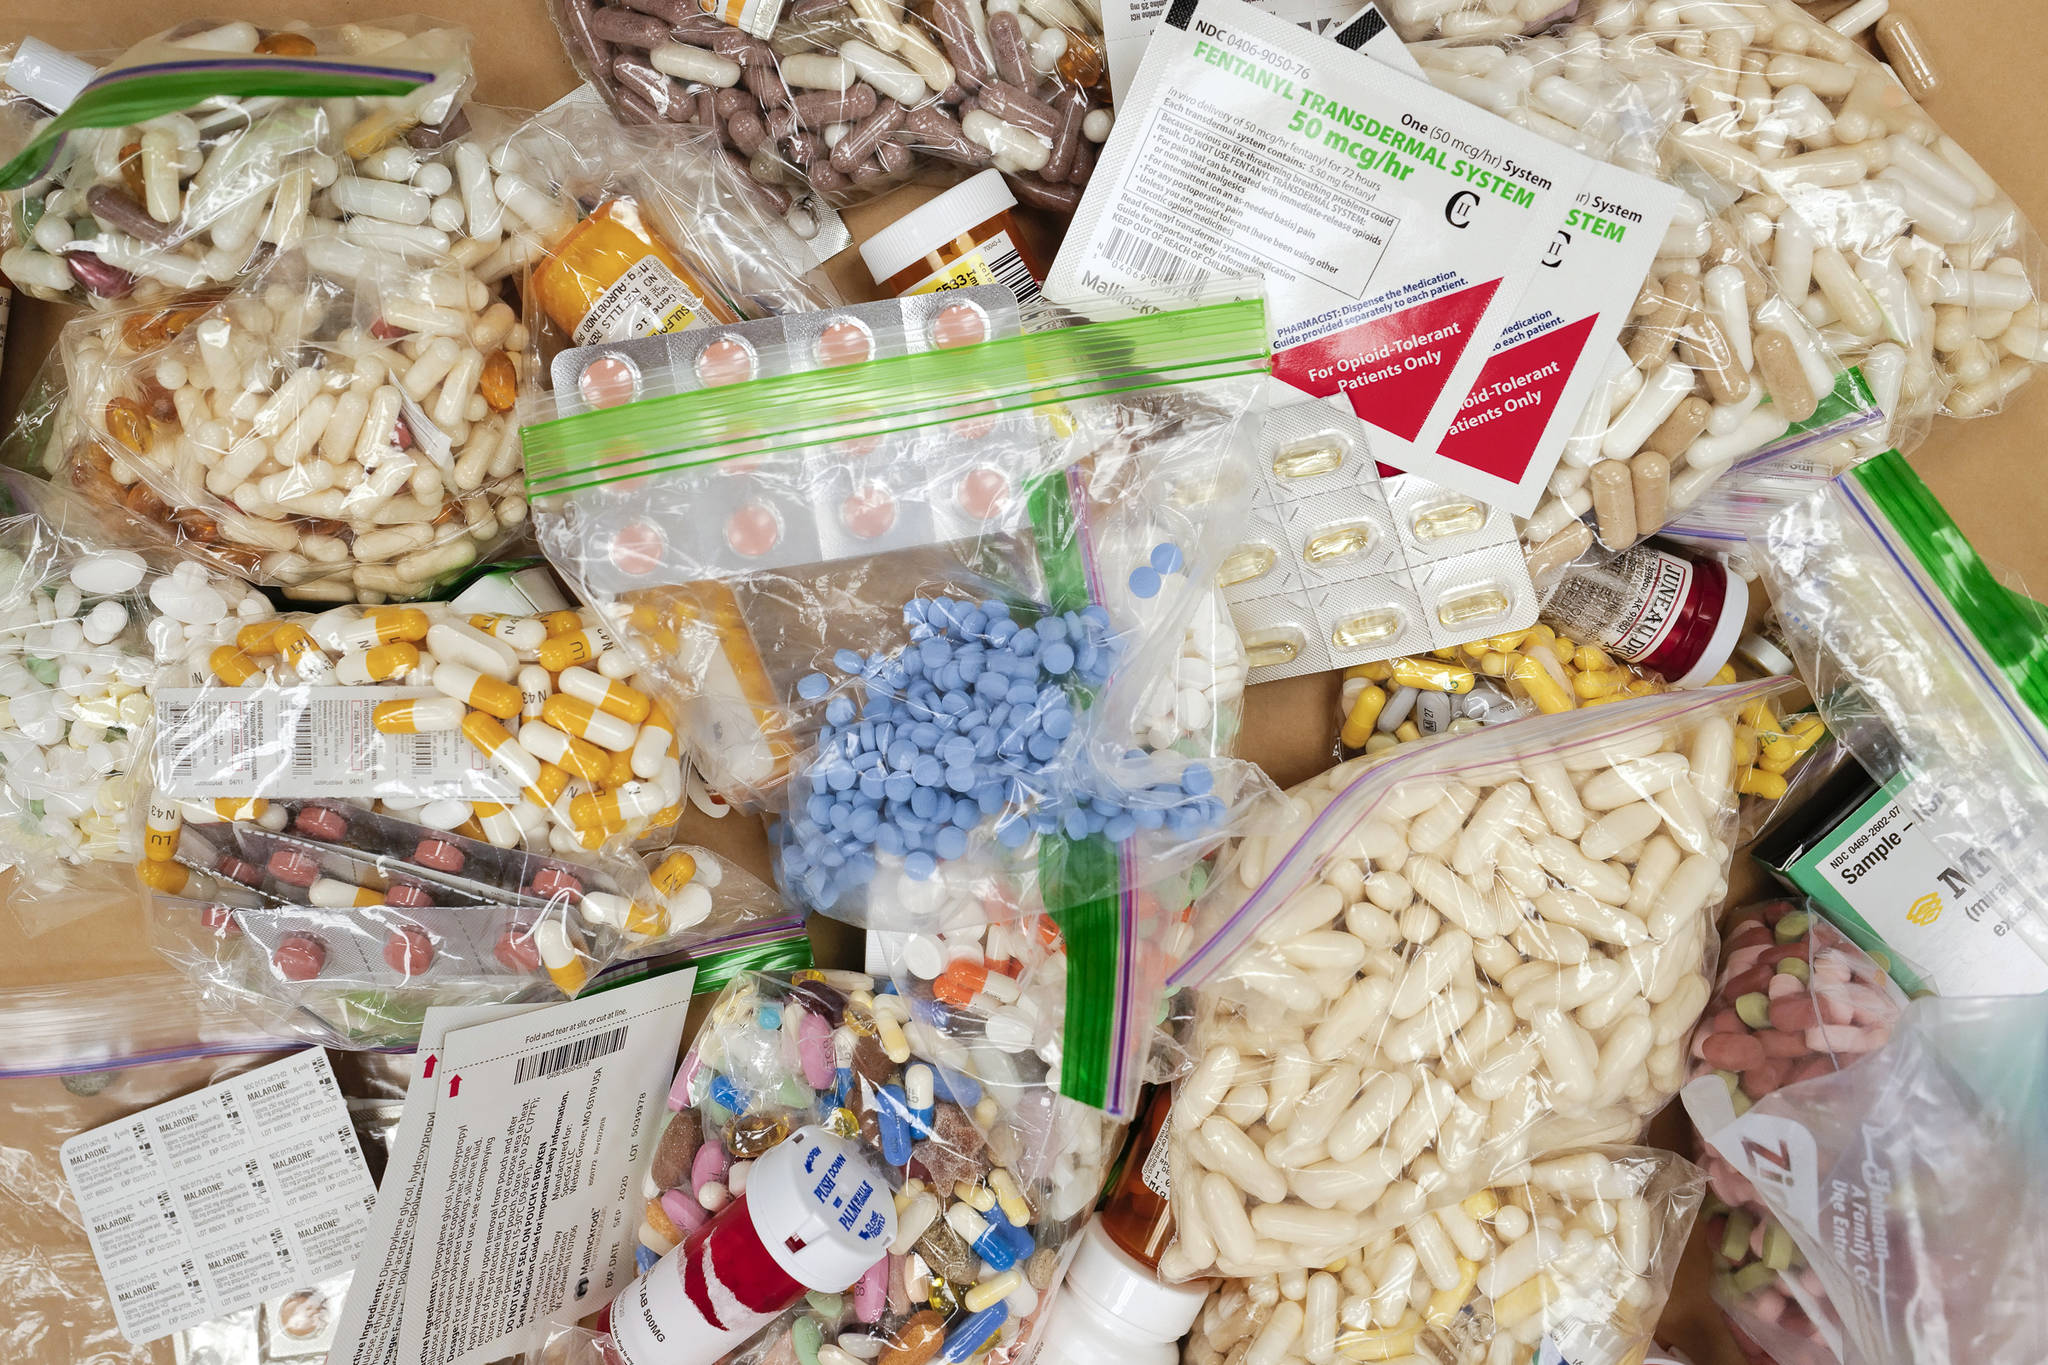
(574, 17)
(129, 424)
(627, 29)
(749, 1135)
(865, 138)
(1908, 55)
(818, 108)
(1784, 378)
(1035, 192)
(1081, 64)
(1651, 340)
(499, 382)
(917, 1341)
(1013, 105)
(936, 134)
(1012, 50)
(286, 45)
(1563, 548)
(1651, 473)
(677, 1149)
(117, 209)
(1614, 503)
(1681, 428)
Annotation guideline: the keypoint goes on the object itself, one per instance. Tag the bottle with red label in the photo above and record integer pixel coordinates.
(1666, 608)
(817, 1214)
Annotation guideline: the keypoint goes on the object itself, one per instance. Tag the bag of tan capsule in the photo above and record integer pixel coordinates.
(308, 431)
(1443, 962)
(1572, 1259)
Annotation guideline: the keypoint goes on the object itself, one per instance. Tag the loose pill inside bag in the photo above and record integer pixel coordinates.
(1580, 1253)
(1796, 1000)
(198, 194)
(852, 99)
(276, 431)
(1912, 1183)
(1006, 1170)
(1441, 964)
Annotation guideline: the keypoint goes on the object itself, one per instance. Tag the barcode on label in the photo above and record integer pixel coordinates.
(1011, 272)
(1149, 259)
(568, 1056)
(302, 742)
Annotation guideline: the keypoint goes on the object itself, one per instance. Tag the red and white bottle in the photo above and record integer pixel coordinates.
(1667, 609)
(817, 1214)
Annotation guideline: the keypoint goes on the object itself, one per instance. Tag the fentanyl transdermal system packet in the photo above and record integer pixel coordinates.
(1403, 236)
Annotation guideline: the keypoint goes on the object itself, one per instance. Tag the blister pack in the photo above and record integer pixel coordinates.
(1343, 565)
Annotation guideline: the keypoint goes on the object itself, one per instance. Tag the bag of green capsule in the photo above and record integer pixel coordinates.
(176, 164)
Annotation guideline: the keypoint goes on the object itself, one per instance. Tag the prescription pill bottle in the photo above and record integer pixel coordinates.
(817, 1215)
(1113, 1309)
(966, 236)
(1136, 1214)
(1672, 610)
(612, 278)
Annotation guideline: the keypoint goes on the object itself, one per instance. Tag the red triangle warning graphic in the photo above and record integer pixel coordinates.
(1393, 368)
(1513, 400)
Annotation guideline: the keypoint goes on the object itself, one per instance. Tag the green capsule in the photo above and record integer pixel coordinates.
(827, 1306)
(793, 1093)
(44, 670)
(807, 1336)
(1754, 1009)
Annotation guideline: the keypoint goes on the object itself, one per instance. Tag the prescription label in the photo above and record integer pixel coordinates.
(994, 260)
(1155, 1172)
(215, 1202)
(1395, 227)
(309, 742)
(648, 300)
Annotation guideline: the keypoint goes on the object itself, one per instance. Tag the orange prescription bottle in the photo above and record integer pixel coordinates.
(966, 236)
(1136, 1214)
(612, 278)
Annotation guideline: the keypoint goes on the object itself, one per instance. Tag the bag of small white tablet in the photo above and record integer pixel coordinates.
(183, 161)
(1571, 1260)
(1925, 665)
(340, 439)
(1911, 1183)
(1434, 965)
(917, 577)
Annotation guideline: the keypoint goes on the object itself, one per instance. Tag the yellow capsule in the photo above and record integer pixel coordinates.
(627, 703)
(232, 666)
(1598, 682)
(560, 954)
(377, 665)
(1591, 658)
(1269, 648)
(1641, 687)
(1524, 1301)
(389, 625)
(1807, 733)
(665, 817)
(580, 718)
(1778, 749)
(991, 1291)
(417, 716)
(1245, 563)
(1778, 766)
(1321, 454)
(167, 877)
(1538, 634)
(1495, 665)
(561, 622)
(648, 921)
(578, 757)
(1364, 714)
(1723, 676)
(618, 809)
(1448, 519)
(558, 652)
(248, 808)
(551, 783)
(1366, 629)
(1759, 716)
(1338, 542)
(1445, 1303)
(1407, 732)
(1432, 675)
(618, 768)
(300, 651)
(1009, 1198)
(1467, 609)
(1390, 1343)
(1379, 670)
(259, 637)
(1745, 746)
(485, 693)
(1535, 679)
(160, 834)
(1564, 649)
(1482, 1205)
(676, 871)
(1757, 782)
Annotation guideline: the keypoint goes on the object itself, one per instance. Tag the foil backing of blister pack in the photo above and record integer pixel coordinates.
(1345, 564)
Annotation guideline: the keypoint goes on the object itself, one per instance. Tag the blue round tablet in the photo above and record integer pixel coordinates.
(1167, 558)
(1145, 581)
(812, 686)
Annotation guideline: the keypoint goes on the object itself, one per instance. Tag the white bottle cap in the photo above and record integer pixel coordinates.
(932, 224)
(1760, 653)
(821, 1208)
(1107, 1293)
(50, 76)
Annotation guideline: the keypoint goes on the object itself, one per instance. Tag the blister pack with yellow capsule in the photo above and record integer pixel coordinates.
(1343, 563)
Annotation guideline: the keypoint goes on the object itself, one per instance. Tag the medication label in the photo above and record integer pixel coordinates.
(215, 1202)
(1396, 227)
(309, 742)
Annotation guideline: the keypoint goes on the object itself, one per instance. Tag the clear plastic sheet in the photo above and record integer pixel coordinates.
(1427, 968)
(1796, 1000)
(995, 1172)
(850, 100)
(220, 167)
(1573, 1260)
(1887, 609)
(1911, 1183)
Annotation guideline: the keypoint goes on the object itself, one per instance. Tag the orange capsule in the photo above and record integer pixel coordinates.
(566, 651)
(232, 666)
(960, 983)
(260, 637)
(561, 622)
(169, 878)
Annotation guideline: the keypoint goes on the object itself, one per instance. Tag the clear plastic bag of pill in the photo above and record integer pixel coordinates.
(1578, 1256)
(190, 195)
(304, 431)
(1911, 1183)
(1005, 1170)
(850, 103)
(1429, 967)
(1797, 999)
(1923, 661)
(801, 530)
(691, 197)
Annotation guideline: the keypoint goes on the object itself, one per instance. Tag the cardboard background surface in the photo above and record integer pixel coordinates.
(1987, 472)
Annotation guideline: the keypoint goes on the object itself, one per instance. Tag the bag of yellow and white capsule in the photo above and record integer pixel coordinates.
(1444, 962)
(1571, 1260)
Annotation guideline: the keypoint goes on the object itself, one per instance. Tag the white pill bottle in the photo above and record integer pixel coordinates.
(817, 1214)
(1112, 1310)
